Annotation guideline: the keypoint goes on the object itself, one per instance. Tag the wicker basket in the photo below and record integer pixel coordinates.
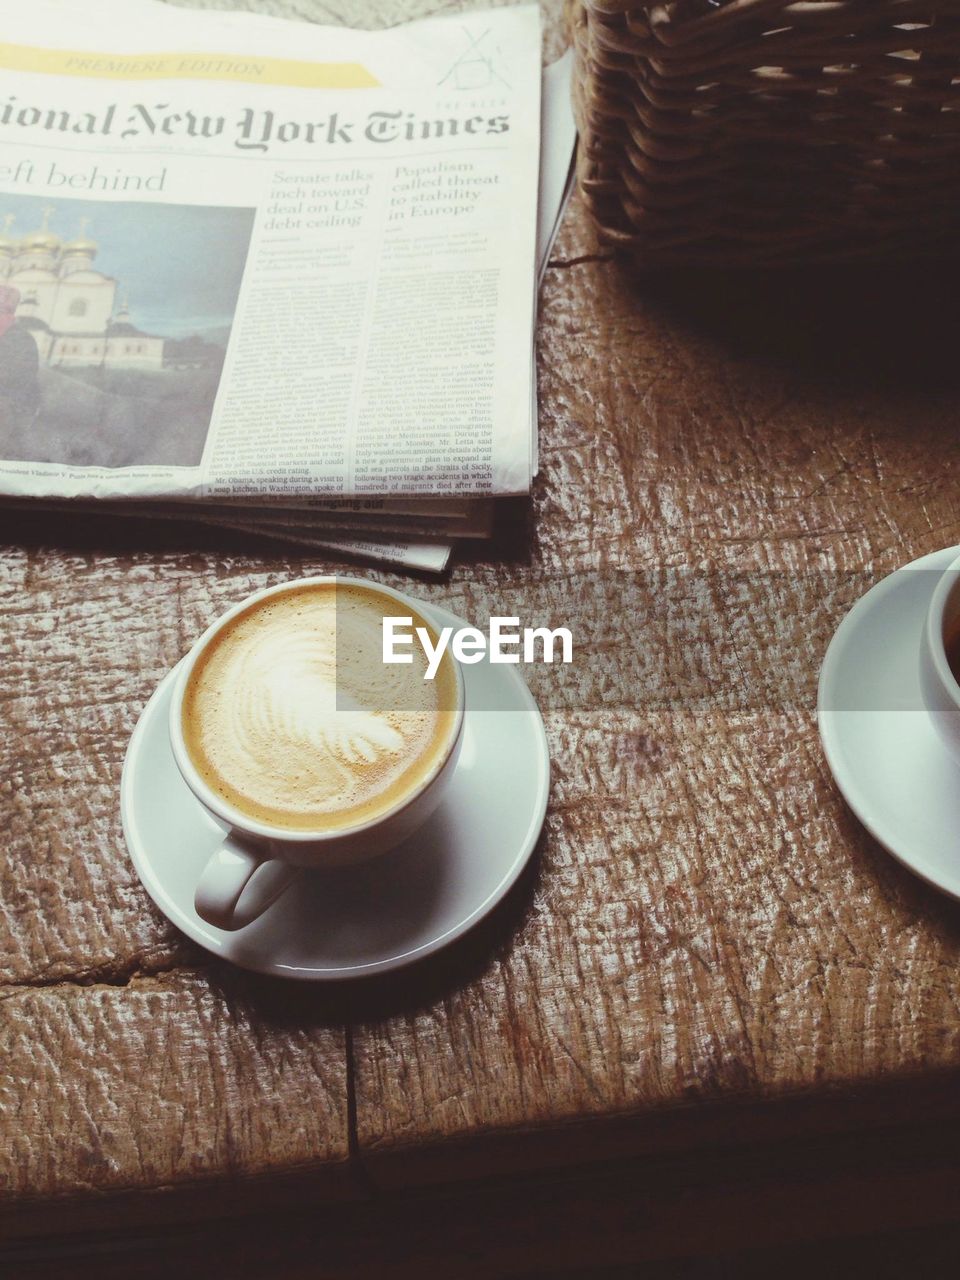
(759, 131)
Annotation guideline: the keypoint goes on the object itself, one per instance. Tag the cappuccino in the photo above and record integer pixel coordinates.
(290, 716)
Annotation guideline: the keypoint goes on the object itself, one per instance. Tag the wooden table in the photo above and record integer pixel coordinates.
(710, 976)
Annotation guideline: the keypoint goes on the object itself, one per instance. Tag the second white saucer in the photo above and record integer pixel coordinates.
(383, 914)
(880, 744)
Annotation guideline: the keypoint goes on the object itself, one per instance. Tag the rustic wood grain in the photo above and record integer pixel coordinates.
(165, 1079)
(123, 1064)
(705, 924)
(709, 921)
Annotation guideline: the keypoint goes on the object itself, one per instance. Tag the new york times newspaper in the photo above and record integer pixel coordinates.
(246, 261)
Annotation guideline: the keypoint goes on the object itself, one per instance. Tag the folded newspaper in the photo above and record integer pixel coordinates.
(275, 276)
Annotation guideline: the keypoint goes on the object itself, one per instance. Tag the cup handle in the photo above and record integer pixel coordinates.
(238, 883)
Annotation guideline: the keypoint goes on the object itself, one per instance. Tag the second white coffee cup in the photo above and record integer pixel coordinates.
(257, 860)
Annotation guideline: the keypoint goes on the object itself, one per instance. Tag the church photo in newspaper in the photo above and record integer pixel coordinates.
(114, 325)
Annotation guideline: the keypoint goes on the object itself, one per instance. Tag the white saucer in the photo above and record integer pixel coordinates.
(880, 744)
(384, 914)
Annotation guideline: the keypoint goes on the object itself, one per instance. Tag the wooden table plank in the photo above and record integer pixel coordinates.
(163, 1080)
(709, 923)
(128, 1061)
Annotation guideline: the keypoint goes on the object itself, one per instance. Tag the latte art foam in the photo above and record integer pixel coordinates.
(291, 716)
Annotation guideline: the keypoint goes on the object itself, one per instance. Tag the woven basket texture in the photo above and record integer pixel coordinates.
(757, 131)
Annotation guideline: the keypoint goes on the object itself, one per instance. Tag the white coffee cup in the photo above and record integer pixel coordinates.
(257, 860)
(938, 685)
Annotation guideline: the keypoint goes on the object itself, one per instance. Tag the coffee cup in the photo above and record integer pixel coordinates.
(940, 641)
(311, 757)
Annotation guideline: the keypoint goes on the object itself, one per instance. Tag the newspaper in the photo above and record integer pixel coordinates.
(253, 262)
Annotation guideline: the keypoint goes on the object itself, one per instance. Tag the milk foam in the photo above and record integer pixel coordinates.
(292, 716)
